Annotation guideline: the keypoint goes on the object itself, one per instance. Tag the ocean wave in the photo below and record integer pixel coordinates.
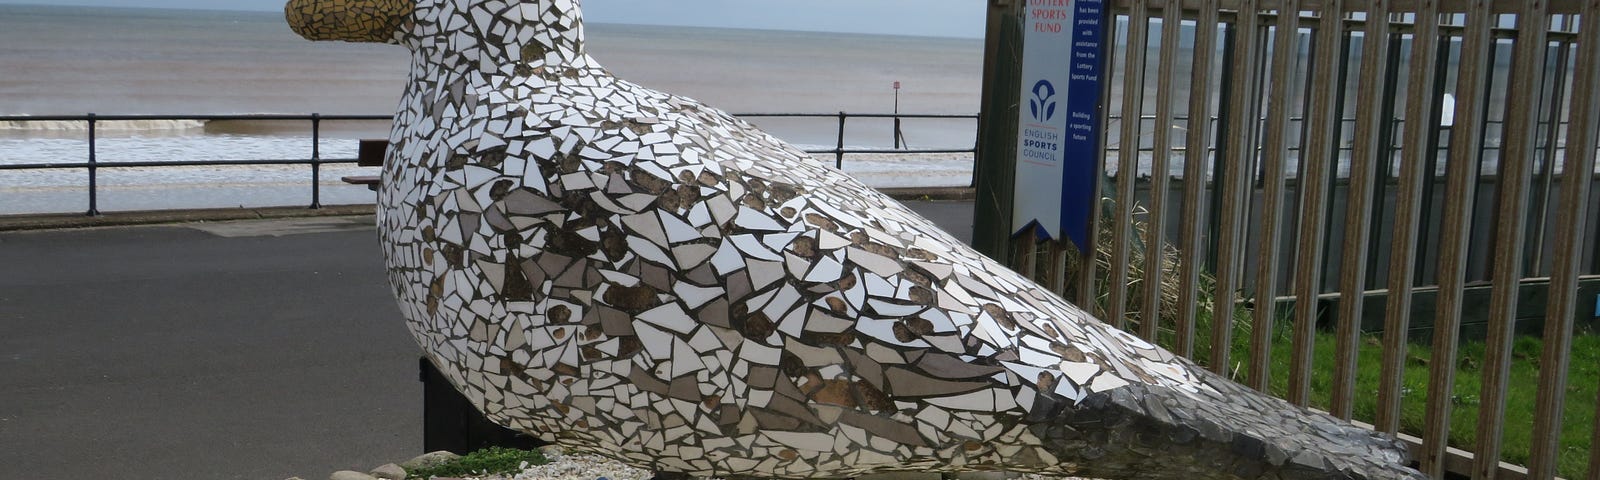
(114, 125)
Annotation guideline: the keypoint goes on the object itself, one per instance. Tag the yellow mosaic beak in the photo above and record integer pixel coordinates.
(349, 20)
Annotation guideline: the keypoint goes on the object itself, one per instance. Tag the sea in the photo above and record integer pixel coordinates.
(76, 60)
(58, 60)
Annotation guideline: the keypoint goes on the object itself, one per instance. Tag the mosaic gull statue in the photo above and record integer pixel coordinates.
(637, 275)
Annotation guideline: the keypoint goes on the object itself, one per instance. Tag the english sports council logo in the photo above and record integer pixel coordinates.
(1043, 102)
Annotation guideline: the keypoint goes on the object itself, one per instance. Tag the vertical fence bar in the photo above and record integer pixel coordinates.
(1089, 256)
(1128, 164)
(1594, 435)
(1516, 162)
(838, 152)
(1552, 139)
(1385, 159)
(1058, 268)
(1363, 169)
(1285, 51)
(1322, 157)
(1466, 145)
(1235, 199)
(316, 161)
(1426, 257)
(1230, 31)
(1029, 255)
(1197, 146)
(994, 159)
(1087, 296)
(1408, 205)
(94, 183)
(1160, 173)
(1562, 307)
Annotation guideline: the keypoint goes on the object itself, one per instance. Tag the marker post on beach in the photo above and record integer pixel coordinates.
(899, 137)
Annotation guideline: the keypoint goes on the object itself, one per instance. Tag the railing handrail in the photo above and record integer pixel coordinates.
(964, 116)
(94, 164)
(359, 117)
(205, 117)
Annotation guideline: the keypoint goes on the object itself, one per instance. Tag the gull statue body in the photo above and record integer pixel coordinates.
(634, 274)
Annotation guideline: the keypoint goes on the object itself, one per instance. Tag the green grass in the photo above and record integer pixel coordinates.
(1576, 423)
(489, 461)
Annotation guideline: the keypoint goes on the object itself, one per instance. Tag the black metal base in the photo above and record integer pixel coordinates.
(449, 422)
(670, 476)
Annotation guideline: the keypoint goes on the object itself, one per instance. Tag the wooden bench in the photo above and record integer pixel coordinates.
(370, 154)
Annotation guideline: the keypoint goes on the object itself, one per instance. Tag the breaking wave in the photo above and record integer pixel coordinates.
(116, 125)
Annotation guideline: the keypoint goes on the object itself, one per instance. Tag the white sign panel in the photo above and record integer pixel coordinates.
(1042, 124)
(1058, 119)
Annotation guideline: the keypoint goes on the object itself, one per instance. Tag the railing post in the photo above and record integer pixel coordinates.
(316, 161)
(94, 200)
(838, 161)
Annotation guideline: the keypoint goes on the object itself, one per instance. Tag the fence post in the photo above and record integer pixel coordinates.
(996, 141)
(1197, 144)
(316, 161)
(94, 200)
(1371, 121)
(1416, 143)
(1138, 40)
(838, 161)
(1466, 154)
(1516, 177)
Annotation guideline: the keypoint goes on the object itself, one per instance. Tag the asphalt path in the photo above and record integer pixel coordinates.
(254, 350)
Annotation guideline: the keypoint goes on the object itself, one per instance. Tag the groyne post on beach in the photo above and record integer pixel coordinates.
(316, 161)
(94, 190)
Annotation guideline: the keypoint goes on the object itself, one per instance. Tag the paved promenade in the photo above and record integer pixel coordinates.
(259, 349)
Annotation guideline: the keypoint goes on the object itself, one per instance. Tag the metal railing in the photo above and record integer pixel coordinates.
(839, 149)
(93, 164)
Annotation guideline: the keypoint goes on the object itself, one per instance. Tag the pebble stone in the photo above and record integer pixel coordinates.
(350, 475)
(594, 467)
(389, 471)
(429, 459)
(580, 467)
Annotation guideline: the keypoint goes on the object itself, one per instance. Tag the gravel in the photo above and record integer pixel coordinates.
(579, 467)
(564, 466)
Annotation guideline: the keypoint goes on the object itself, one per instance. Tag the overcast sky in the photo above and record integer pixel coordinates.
(946, 18)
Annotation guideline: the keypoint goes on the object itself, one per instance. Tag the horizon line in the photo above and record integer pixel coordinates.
(29, 3)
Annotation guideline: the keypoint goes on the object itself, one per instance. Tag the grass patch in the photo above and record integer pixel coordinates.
(489, 461)
(1518, 435)
(1582, 382)
(1577, 419)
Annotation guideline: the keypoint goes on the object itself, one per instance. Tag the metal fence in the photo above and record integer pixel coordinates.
(92, 164)
(1297, 84)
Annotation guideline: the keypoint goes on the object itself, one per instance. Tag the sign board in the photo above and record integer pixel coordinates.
(1058, 129)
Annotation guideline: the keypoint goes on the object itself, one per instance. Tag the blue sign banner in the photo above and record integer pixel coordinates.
(1082, 163)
